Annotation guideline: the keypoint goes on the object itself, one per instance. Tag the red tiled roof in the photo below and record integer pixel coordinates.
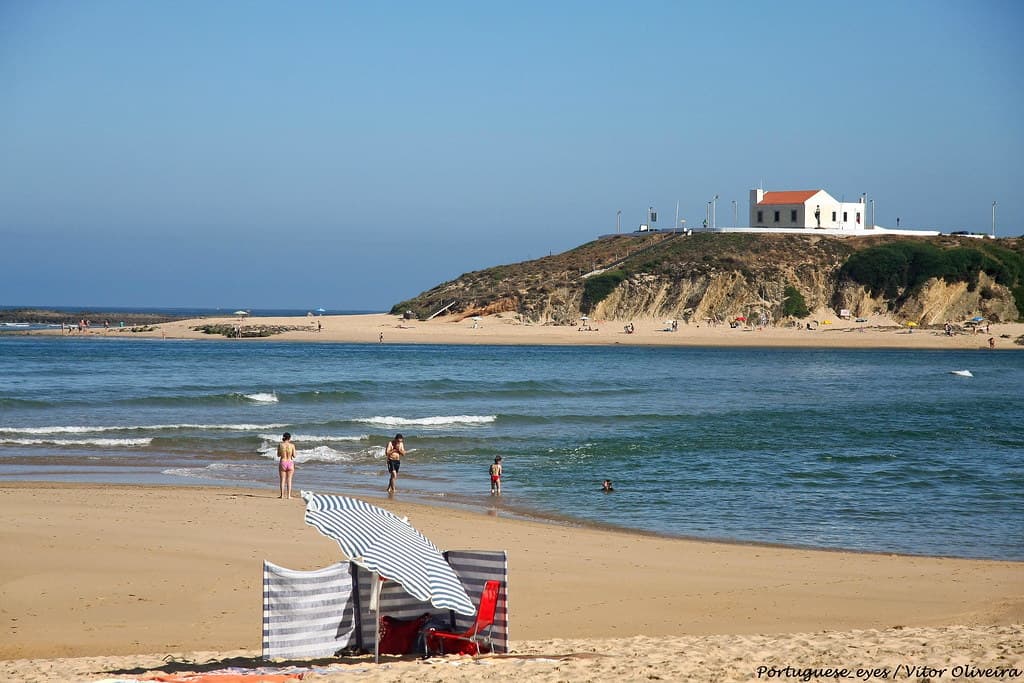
(787, 197)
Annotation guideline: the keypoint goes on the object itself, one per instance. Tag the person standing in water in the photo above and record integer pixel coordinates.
(286, 464)
(496, 476)
(393, 454)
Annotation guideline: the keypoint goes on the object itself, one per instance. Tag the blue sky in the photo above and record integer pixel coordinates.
(351, 155)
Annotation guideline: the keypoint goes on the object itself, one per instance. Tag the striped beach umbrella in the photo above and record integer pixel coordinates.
(388, 545)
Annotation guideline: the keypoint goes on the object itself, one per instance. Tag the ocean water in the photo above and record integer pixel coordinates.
(873, 450)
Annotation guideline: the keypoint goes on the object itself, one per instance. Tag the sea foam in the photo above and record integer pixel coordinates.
(303, 455)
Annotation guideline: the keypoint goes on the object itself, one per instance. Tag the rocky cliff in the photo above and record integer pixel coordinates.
(720, 276)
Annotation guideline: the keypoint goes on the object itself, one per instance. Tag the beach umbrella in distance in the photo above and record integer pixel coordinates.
(978, 318)
(241, 314)
(321, 311)
(387, 545)
(911, 323)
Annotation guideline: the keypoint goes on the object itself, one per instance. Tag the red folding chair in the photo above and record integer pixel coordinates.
(477, 638)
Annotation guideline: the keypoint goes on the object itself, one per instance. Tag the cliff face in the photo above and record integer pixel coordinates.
(709, 276)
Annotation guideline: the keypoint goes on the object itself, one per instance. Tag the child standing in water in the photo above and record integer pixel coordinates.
(496, 476)
(286, 464)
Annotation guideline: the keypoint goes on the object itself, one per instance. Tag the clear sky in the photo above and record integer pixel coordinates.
(353, 154)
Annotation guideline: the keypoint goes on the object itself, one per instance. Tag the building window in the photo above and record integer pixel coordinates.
(776, 216)
(833, 216)
(792, 216)
(760, 216)
(844, 217)
(858, 218)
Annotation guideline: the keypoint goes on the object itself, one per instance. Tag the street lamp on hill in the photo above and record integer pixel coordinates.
(993, 220)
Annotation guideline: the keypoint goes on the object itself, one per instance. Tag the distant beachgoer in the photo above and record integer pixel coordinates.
(606, 486)
(286, 464)
(496, 476)
(319, 326)
(393, 454)
(991, 342)
(381, 340)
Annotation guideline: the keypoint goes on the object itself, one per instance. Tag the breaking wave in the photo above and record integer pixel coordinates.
(262, 397)
(93, 429)
(436, 421)
(116, 443)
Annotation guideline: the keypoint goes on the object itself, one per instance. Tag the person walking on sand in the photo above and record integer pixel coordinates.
(496, 476)
(286, 464)
(393, 454)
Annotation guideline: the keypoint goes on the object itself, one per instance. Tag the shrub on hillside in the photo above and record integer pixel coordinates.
(793, 303)
(597, 288)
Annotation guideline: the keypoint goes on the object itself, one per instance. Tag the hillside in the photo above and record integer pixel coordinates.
(719, 276)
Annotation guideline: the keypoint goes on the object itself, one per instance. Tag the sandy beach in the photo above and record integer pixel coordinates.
(502, 329)
(104, 582)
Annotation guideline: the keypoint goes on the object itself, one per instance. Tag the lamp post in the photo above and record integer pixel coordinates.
(618, 220)
(872, 213)
(993, 220)
(714, 209)
(735, 215)
(707, 216)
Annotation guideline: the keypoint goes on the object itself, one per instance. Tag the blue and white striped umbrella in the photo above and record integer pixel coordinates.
(384, 543)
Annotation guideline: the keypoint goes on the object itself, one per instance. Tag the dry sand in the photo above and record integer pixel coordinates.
(877, 332)
(118, 577)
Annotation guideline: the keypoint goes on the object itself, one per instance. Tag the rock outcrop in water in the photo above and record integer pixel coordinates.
(721, 276)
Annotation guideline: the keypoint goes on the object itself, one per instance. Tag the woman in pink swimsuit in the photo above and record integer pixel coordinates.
(286, 466)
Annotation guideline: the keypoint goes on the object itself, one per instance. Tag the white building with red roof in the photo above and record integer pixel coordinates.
(806, 209)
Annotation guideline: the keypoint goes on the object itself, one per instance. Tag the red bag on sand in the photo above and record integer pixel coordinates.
(398, 636)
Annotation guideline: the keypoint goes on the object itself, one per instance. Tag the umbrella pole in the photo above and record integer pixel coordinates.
(375, 606)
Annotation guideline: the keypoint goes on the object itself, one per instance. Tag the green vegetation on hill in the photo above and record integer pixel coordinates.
(597, 288)
(897, 270)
